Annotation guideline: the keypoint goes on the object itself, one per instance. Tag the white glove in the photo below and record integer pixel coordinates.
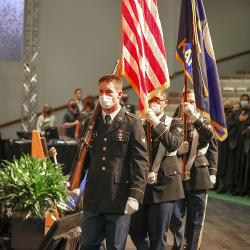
(72, 193)
(183, 149)
(151, 117)
(152, 178)
(132, 206)
(213, 179)
(189, 110)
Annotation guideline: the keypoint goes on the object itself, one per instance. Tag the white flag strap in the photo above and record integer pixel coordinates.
(161, 150)
(192, 155)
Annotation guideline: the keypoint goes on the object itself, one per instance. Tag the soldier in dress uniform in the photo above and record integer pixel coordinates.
(117, 163)
(198, 177)
(164, 180)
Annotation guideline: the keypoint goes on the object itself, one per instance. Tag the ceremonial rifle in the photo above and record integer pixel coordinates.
(76, 175)
(149, 143)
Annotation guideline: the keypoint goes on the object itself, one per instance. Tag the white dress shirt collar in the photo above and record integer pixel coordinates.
(112, 115)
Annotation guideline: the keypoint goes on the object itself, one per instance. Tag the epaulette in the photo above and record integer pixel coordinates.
(131, 115)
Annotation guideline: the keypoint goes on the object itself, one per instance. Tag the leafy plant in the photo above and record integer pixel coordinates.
(32, 187)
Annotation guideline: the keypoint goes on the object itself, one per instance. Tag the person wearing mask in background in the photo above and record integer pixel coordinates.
(197, 177)
(46, 119)
(223, 154)
(117, 170)
(70, 119)
(78, 99)
(238, 122)
(125, 105)
(89, 106)
(149, 225)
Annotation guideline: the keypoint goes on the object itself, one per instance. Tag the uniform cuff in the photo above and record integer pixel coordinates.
(137, 194)
(159, 129)
(198, 124)
(194, 117)
(212, 171)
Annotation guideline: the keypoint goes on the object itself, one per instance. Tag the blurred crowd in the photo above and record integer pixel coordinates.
(78, 111)
(233, 174)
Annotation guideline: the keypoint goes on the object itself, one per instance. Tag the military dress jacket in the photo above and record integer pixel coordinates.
(117, 163)
(199, 174)
(169, 185)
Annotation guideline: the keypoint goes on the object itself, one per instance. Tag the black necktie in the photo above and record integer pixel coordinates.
(107, 120)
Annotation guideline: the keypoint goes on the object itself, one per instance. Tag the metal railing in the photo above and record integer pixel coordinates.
(62, 107)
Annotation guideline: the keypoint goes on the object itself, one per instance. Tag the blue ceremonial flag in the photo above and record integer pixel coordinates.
(196, 55)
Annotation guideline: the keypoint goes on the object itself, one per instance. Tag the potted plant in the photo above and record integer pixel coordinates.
(29, 188)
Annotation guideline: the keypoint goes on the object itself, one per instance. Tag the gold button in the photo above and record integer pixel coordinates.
(105, 139)
(104, 148)
(103, 168)
(103, 158)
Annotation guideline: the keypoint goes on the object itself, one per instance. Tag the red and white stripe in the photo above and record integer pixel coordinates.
(144, 61)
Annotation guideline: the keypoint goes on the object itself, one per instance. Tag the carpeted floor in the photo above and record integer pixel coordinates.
(227, 224)
(227, 197)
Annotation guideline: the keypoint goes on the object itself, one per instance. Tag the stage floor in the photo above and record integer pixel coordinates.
(227, 227)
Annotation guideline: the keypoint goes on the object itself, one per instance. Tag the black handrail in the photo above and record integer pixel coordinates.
(175, 74)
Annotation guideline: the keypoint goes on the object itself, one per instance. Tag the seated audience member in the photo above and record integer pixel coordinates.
(78, 100)
(89, 105)
(46, 119)
(70, 119)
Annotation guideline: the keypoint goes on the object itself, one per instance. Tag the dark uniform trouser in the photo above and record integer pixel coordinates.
(149, 225)
(176, 224)
(97, 227)
(194, 205)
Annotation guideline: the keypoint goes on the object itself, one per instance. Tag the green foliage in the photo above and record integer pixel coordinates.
(32, 187)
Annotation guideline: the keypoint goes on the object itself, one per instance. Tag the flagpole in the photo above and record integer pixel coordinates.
(185, 100)
(184, 158)
(149, 143)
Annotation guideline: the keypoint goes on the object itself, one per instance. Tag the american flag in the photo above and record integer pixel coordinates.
(143, 60)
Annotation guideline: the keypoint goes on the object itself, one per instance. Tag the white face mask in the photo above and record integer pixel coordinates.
(106, 101)
(155, 107)
(244, 104)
